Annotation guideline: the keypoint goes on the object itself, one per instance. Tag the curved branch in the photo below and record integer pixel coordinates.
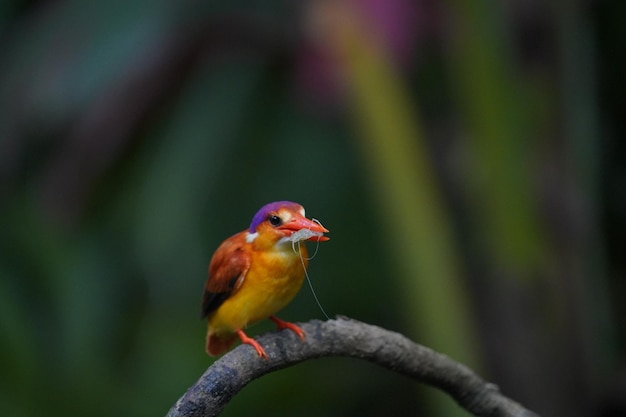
(350, 338)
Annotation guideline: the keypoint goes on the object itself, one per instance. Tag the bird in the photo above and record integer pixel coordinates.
(257, 272)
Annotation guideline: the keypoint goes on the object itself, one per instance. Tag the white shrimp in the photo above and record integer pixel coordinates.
(304, 234)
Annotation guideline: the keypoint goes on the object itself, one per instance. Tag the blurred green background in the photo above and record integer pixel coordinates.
(464, 154)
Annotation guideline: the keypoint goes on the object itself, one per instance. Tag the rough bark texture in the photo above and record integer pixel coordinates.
(349, 338)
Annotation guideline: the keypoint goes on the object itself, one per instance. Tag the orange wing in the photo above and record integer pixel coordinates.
(227, 270)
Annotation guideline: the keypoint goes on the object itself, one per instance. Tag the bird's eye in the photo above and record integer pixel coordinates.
(275, 220)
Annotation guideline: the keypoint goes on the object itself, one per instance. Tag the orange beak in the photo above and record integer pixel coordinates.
(298, 222)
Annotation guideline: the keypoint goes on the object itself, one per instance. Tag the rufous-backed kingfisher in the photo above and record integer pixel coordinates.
(255, 273)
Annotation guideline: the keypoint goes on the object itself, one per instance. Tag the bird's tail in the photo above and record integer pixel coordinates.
(218, 344)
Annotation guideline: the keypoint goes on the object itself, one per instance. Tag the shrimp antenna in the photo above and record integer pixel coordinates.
(308, 280)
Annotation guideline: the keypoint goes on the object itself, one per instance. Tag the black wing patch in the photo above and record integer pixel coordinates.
(212, 300)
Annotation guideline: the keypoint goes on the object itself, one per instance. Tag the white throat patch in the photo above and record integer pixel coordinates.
(251, 236)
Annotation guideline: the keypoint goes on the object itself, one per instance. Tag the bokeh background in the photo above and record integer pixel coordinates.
(466, 156)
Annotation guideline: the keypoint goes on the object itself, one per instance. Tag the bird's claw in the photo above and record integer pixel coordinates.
(281, 324)
(250, 341)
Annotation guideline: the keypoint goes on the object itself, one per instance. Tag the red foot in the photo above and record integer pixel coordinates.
(281, 324)
(250, 341)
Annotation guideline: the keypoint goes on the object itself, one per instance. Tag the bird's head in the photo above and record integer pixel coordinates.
(284, 221)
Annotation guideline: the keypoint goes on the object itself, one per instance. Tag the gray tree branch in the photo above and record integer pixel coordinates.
(350, 338)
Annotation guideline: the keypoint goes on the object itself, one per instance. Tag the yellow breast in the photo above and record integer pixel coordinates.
(273, 280)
